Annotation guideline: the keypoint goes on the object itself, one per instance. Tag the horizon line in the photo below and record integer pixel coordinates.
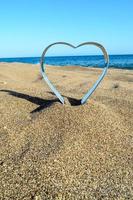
(66, 56)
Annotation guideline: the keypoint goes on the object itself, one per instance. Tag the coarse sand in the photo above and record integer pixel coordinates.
(50, 151)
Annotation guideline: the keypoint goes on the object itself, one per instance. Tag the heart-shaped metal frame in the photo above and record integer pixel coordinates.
(93, 88)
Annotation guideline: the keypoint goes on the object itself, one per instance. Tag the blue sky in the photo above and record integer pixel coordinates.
(28, 26)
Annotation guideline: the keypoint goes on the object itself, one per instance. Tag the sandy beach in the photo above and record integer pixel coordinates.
(60, 152)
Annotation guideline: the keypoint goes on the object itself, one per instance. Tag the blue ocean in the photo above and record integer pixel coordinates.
(116, 61)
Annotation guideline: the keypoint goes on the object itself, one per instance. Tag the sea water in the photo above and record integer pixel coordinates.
(116, 61)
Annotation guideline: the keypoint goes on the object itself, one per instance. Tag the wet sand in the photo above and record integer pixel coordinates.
(54, 151)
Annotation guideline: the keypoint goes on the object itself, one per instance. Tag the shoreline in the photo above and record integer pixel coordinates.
(69, 66)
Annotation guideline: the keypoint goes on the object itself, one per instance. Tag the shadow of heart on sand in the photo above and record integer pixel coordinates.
(43, 103)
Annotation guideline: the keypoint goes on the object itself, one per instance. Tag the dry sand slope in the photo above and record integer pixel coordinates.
(51, 151)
